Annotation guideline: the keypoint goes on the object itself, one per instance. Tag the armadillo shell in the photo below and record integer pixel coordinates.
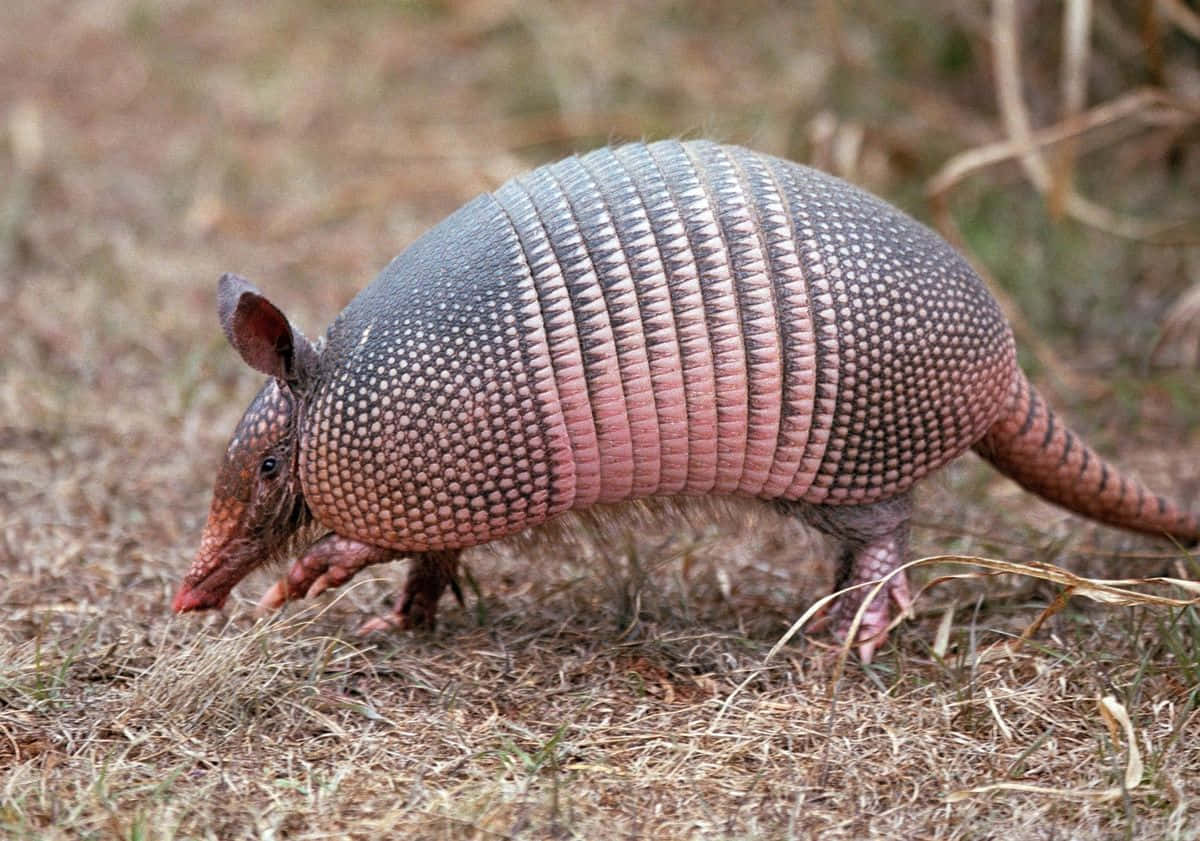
(671, 318)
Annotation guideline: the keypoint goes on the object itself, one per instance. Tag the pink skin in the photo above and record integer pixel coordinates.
(871, 563)
(629, 410)
(864, 566)
(872, 631)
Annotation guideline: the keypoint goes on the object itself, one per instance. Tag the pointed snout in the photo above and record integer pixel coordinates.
(218, 567)
(222, 560)
(217, 570)
(193, 598)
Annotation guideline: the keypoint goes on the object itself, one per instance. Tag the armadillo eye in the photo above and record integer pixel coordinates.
(269, 467)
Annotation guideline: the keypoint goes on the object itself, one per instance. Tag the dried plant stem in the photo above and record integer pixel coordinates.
(1016, 120)
(1180, 15)
(1077, 17)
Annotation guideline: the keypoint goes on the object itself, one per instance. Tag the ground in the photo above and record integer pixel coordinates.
(613, 688)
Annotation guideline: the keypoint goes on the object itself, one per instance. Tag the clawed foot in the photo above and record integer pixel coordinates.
(333, 560)
(330, 562)
(428, 577)
(872, 631)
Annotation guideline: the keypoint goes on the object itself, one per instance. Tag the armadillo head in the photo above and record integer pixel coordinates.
(258, 504)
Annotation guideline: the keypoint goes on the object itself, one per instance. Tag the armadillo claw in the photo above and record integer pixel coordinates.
(330, 579)
(318, 587)
(331, 562)
(429, 574)
(872, 631)
(412, 614)
(273, 599)
(377, 623)
(397, 622)
(402, 620)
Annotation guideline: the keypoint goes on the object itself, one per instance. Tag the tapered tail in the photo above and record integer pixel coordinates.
(1031, 445)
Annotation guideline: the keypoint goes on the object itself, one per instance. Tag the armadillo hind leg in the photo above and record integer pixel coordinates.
(866, 564)
(874, 542)
(429, 574)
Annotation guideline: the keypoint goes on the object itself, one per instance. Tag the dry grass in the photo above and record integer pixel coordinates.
(600, 691)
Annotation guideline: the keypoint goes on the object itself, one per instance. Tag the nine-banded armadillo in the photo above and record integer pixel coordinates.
(662, 319)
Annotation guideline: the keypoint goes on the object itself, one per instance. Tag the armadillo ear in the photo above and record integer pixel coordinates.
(262, 334)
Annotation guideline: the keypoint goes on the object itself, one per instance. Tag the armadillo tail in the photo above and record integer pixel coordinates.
(1031, 445)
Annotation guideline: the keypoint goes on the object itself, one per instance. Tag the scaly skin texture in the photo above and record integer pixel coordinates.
(1029, 444)
(657, 319)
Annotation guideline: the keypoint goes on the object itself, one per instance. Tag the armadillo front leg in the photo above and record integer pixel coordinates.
(330, 562)
(429, 574)
(333, 560)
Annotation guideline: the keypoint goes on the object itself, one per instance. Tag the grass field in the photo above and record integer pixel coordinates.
(600, 688)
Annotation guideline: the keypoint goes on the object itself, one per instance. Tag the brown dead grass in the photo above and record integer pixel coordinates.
(604, 690)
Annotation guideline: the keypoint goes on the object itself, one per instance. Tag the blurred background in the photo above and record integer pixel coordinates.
(148, 146)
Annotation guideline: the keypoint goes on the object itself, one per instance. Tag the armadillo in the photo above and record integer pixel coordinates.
(664, 319)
